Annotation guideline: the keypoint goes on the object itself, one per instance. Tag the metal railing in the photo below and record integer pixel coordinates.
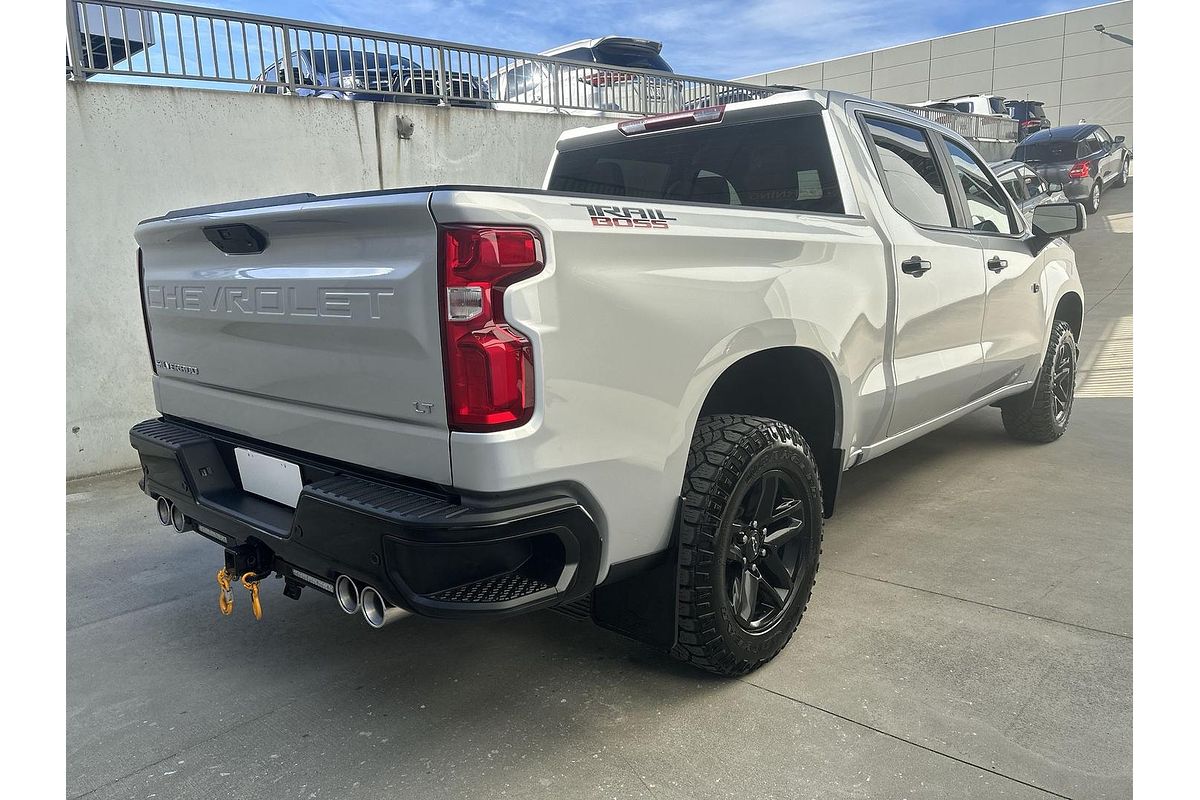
(976, 127)
(153, 42)
(164, 42)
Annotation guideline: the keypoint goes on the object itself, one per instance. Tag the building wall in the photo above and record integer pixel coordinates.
(1060, 59)
(138, 151)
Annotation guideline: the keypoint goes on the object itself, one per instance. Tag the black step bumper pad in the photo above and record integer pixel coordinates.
(423, 549)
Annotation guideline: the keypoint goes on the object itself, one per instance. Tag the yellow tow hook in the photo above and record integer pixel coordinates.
(225, 579)
(252, 587)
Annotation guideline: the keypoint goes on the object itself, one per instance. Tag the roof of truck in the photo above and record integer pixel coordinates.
(821, 97)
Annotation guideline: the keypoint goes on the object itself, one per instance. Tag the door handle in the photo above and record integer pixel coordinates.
(915, 266)
(996, 264)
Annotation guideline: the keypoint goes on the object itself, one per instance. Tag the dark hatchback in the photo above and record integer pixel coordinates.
(1030, 116)
(1085, 159)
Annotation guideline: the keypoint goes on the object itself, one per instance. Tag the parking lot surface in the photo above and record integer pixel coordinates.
(969, 636)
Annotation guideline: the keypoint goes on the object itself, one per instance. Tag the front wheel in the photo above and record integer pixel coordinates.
(1123, 175)
(750, 542)
(1041, 414)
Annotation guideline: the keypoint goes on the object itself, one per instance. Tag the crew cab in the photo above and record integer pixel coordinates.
(629, 395)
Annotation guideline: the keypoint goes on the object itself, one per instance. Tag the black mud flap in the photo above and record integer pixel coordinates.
(643, 605)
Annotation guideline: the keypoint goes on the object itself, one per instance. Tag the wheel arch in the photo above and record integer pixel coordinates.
(796, 385)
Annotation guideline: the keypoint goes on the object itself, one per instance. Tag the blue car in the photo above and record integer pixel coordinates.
(378, 77)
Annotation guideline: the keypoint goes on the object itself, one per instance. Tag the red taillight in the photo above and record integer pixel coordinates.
(141, 272)
(1031, 123)
(1081, 169)
(489, 365)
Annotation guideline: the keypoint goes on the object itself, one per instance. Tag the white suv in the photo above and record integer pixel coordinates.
(985, 104)
(581, 86)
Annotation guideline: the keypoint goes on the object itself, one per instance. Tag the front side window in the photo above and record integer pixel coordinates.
(522, 78)
(1015, 187)
(782, 163)
(1034, 185)
(989, 209)
(910, 172)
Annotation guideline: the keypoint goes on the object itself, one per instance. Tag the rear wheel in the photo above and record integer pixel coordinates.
(750, 542)
(1093, 202)
(1042, 413)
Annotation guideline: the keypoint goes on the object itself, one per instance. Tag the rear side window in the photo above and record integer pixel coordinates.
(910, 171)
(782, 164)
(989, 209)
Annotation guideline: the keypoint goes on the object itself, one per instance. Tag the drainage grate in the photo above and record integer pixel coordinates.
(496, 589)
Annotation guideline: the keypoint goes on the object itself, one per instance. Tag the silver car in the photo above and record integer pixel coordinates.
(593, 87)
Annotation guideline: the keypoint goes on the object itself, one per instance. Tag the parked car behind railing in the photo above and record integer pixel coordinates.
(986, 104)
(1030, 116)
(594, 87)
(356, 75)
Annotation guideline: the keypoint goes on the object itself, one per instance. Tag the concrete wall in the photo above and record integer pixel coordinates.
(1059, 59)
(138, 151)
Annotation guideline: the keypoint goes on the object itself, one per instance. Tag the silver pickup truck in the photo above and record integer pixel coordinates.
(629, 395)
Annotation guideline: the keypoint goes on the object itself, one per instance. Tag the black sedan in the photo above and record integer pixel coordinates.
(1085, 159)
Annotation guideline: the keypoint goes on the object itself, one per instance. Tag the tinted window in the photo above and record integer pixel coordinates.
(638, 57)
(329, 61)
(997, 104)
(910, 172)
(1047, 151)
(783, 163)
(578, 54)
(987, 205)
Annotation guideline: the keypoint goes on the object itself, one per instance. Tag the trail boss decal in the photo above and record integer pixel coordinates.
(626, 216)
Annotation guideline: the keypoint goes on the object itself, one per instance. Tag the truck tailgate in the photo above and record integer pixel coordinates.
(327, 341)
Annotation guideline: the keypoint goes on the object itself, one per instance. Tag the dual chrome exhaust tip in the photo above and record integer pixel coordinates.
(170, 514)
(375, 610)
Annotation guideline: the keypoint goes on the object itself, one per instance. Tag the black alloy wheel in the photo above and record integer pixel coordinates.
(766, 551)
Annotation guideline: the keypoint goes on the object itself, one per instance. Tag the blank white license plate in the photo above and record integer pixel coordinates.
(272, 478)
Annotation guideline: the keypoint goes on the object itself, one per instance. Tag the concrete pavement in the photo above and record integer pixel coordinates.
(969, 636)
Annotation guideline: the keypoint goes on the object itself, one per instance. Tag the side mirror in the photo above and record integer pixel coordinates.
(1119, 139)
(1054, 187)
(1058, 219)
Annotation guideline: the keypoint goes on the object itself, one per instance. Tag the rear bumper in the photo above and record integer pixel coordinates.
(424, 550)
(1076, 189)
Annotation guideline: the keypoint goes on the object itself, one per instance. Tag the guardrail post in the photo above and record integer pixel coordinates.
(73, 34)
(443, 81)
(285, 61)
(556, 86)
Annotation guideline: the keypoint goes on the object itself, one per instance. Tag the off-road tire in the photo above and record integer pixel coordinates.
(1092, 205)
(726, 455)
(1032, 416)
